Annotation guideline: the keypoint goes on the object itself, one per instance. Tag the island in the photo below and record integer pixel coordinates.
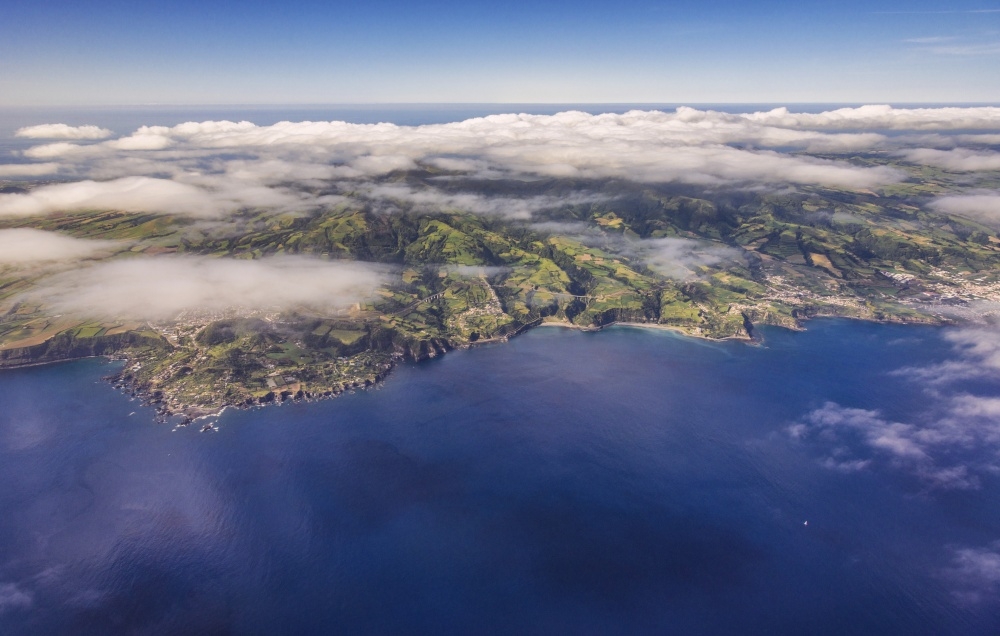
(707, 261)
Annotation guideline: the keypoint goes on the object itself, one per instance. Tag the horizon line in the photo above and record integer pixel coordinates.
(516, 103)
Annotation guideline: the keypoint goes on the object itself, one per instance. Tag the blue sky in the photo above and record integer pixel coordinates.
(63, 52)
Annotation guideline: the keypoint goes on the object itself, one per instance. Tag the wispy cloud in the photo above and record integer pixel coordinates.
(976, 354)
(13, 597)
(988, 48)
(858, 439)
(936, 39)
(974, 573)
(938, 12)
(948, 446)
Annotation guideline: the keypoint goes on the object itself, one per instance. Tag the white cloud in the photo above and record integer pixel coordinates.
(22, 246)
(162, 287)
(63, 131)
(959, 159)
(58, 149)
(983, 207)
(28, 169)
(142, 139)
(680, 258)
(891, 437)
(144, 194)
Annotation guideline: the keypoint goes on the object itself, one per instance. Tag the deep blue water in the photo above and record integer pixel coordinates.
(623, 482)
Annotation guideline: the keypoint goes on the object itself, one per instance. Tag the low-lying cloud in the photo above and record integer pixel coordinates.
(159, 288)
(984, 207)
(24, 246)
(681, 258)
(27, 169)
(674, 257)
(956, 160)
(144, 194)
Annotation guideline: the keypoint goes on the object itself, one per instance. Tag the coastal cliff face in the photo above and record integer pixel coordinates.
(424, 349)
(65, 346)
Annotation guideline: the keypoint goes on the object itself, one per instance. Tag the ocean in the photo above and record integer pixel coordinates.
(630, 481)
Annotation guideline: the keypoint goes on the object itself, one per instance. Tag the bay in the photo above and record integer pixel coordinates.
(623, 482)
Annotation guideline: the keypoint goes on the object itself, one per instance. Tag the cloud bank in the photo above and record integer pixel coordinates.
(160, 288)
(687, 145)
(224, 165)
(885, 117)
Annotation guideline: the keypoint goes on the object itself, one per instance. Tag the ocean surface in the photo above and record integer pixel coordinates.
(624, 482)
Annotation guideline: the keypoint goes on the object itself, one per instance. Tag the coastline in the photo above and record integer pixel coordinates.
(646, 325)
(193, 414)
